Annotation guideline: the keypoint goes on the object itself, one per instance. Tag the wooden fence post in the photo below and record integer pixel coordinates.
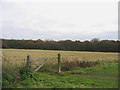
(28, 61)
(59, 64)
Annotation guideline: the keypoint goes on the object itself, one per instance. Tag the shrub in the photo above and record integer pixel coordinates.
(75, 64)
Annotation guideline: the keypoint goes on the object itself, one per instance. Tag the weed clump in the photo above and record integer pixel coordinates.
(76, 64)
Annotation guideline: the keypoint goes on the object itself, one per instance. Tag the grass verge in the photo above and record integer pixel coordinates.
(104, 75)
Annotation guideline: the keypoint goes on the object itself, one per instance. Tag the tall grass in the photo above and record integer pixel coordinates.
(13, 72)
(70, 63)
(66, 64)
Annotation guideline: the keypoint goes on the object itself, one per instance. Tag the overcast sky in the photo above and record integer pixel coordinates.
(59, 20)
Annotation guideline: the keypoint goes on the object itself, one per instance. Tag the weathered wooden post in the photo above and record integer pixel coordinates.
(59, 64)
(28, 61)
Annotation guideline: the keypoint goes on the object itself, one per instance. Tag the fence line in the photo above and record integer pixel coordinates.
(34, 60)
(30, 60)
(41, 65)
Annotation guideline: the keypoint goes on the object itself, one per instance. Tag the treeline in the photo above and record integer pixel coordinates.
(67, 45)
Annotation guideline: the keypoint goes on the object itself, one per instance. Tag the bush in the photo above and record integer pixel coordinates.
(75, 64)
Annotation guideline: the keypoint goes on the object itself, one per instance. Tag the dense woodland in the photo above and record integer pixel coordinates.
(67, 45)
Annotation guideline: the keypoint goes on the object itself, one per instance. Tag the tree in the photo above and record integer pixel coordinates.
(95, 40)
(94, 45)
(4, 43)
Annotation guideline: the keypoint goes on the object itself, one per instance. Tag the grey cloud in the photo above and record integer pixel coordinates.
(17, 23)
(44, 23)
(111, 35)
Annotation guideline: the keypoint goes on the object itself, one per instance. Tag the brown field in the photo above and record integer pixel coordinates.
(18, 56)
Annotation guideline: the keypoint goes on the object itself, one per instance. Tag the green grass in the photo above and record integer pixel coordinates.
(104, 75)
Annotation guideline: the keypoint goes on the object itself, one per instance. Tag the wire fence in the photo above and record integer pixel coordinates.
(30, 62)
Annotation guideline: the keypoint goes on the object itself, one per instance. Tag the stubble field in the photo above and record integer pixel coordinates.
(17, 56)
